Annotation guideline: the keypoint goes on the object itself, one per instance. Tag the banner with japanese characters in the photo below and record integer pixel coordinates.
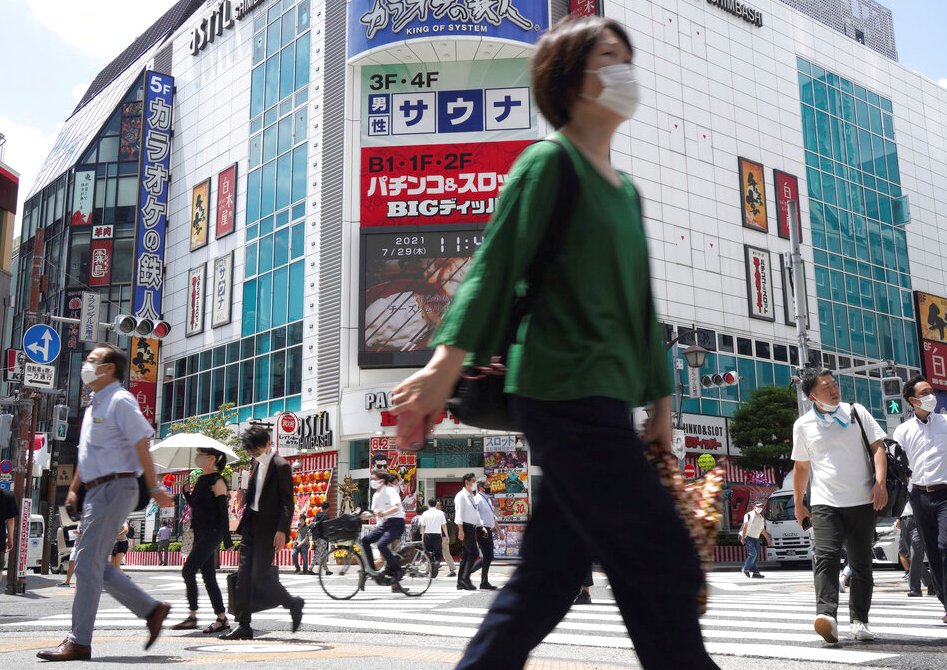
(100, 255)
(759, 284)
(384, 455)
(152, 210)
(200, 214)
(221, 291)
(73, 308)
(195, 301)
(408, 280)
(586, 7)
(931, 313)
(143, 375)
(753, 195)
(374, 24)
(787, 190)
(506, 468)
(226, 201)
(83, 195)
(434, 183)
(428, 103)
(935, 363)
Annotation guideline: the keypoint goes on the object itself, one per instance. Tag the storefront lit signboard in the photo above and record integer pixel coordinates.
(706, 434)
(377, 23)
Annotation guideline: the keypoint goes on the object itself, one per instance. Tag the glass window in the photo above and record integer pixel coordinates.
(262, 375)
(278, 338)
(288, 30)
(272, 38)
(296, 291)
(269, 143)
(268, 189)
(281, 248)
(262, 343)
(857, 329)
(842, 339)
(264, 302)
(249, 308)
(246, 382)
(280, 296)
(255, 151)
(217, 392)
(295, 333)
(301, 130)
(256, 91)
(302, 61)
(302, 12)
(744, 346)
(299, 173)
(283, 180)
(809, 129)
(122, 257)
(287, 71)
(233, 352)
(271, 90)
(298, 246)
(725, 343)
(277, 374)
(231, 394)
(247, 345)
(762, 349)
(294, 364)
(253, 196)
(285, 134)
(266, 254)
(220, 356)
(251, 254)
(780, 353)
(871, 335)
(266, 226)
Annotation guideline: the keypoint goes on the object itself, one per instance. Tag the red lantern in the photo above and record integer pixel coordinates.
(292, 534)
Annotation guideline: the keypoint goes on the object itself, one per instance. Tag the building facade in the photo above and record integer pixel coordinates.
(331, 168)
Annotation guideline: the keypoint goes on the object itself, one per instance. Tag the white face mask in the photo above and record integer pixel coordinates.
(828, 409)
(88, 372)
(928, 402)
(619, 89)
(375, 483)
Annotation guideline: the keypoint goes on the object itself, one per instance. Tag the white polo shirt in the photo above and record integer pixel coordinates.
(925, 444)
(839, 467)
(432, 520)
(754, 524)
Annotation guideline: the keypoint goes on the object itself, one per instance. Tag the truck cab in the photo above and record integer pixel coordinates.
(790, 542)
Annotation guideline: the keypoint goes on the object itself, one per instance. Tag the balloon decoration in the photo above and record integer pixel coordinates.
(168, 480)
(194, 476)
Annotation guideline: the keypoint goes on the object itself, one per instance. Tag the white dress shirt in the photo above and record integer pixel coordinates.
(925, 443)
(465, 508)
(263, 464)
(485, 507)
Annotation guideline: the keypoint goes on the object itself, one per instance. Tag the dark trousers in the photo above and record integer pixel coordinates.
(203, 558)
(853, 528)
(911, 538)
(384, 535)
(432, 545)
(485, 544)
(163, 551)
(468, 553)
(258, 585)
(583, 446)
(930, 515)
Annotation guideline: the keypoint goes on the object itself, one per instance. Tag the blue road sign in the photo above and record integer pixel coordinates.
(41, 344)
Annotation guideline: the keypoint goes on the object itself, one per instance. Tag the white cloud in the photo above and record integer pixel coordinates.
(25, 151)
(99, 28)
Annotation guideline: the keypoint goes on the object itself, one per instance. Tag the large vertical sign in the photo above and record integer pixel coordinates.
(195, 301)
(753, 195)
(759, 284)
(83, 195)
(221, 291)
(152, 214)
(377, 23)
(931, 313)
(506, 467)
(72, 309)
(787, 189)
(143, 375)
(200, 214)
(226, 199)
(89, 316)
(384, 455)
(100, 256)
(586, 7)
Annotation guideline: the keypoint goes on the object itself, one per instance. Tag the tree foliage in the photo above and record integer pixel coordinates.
(762, 429)
(220, 425)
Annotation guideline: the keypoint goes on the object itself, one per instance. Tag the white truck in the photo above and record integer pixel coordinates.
(790, 542)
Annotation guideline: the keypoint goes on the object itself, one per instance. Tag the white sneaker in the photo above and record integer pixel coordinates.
(827, 627)
(861, 633)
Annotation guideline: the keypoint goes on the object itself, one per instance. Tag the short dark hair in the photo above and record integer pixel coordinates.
(220, 458)
(431, 502)
(255, 436)
(810, 377)
(116, 357)
(560, 59)
(324, 506)
(908, 391)
(467, 477)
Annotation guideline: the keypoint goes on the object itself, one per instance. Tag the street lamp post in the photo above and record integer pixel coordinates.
(694, 355)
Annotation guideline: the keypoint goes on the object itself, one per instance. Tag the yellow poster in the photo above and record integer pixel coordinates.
(932, 316)
(753, 195)
(144, 360)
(200, 214)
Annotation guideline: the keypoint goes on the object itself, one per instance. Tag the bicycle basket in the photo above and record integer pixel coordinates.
(345, 527)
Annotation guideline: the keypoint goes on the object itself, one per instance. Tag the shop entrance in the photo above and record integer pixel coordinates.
(445, 492)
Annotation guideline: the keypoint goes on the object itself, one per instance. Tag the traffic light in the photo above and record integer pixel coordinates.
(126, 324)
(892, 395)
(60, 423)
(726, 379)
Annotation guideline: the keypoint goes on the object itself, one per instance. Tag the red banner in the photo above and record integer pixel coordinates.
(434, 183)
(226, 199)
(787, 188)
(585, 7)
(146, 393)
(935, 364)
(73, 308)
(100, 263)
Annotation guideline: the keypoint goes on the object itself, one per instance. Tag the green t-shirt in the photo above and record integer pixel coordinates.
(592, 330)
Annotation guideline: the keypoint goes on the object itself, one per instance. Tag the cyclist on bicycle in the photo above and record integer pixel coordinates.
(389, 515)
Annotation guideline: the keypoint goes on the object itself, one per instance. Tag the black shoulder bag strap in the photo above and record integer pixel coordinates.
(552, 240)
(871, 458)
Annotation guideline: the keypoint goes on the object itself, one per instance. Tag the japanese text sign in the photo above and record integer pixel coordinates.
(226, 200)
(759, 284)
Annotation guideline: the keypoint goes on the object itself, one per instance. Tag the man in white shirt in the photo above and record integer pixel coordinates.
(469, 523)
(754, 525)
(924, 440)
(433, 530)
(485, 538)
(829, 442)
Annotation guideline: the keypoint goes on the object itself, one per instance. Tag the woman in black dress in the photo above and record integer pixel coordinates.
(210, 522)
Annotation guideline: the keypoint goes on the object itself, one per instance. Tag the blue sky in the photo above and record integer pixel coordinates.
(52, 49)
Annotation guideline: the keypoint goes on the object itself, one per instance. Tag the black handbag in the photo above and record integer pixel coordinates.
(899, 472)
(478, 398)
(232, 587)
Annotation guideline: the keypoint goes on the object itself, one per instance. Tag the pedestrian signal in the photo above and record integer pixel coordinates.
(126, 324)
(725, 379)
(891, 392)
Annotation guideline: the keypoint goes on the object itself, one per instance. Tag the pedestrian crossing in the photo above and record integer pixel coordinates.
(769, 618)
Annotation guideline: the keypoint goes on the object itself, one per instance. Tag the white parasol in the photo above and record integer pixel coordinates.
(177, 452)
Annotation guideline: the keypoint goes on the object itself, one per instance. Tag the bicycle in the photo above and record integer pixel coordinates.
(344, 570)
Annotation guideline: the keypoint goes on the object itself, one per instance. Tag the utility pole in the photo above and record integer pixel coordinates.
(799, 299)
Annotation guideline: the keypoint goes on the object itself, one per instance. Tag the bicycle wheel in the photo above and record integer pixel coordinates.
(339, 573)
(417, 571)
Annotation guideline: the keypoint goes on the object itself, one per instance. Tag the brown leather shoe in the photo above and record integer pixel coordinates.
(154, 621)
(66, 651)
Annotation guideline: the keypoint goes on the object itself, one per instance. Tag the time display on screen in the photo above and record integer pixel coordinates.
(427, 244)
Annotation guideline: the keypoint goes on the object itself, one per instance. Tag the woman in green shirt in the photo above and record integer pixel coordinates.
(588, 352)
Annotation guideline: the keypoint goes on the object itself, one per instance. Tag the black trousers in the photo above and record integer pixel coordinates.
(853, 528)
(203, 558)
(647, 553)
(468, 553)
(930, 515)
(485, 544)
(432, 545)
(258, 585)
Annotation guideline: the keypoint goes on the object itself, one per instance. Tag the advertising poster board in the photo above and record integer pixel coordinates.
(83, 195)
(931, 316)
(226, 201)
(200, 214)
(195, 301)
(143, 375)
(753, 195)
(787, 188)
(934, 355)
(222, 291)
(509, 543)
(506, 468)
(384, 455)
(759, 284)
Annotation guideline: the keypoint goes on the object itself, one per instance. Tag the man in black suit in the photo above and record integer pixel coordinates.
(263, 530)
